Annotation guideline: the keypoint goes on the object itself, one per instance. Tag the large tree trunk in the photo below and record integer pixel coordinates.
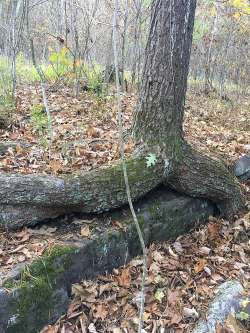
(158, 122)
(159, 115)
(157, 129)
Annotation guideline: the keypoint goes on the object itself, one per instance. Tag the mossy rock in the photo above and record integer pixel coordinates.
(39, 296)
(42, 293)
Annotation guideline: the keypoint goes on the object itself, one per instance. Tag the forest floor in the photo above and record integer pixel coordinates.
(184, 273)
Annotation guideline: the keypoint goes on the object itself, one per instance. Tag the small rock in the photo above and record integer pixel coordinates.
(242, 167)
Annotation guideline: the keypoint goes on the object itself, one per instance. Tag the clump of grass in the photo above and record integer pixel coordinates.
(7, 101)
(39, 120)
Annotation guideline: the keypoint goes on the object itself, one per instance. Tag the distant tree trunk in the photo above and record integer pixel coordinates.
(123, 48)
(208, 86)
(158, 121)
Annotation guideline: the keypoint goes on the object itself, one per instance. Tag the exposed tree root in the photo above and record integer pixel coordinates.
(201, 176)
(25, 199)
(28, 199)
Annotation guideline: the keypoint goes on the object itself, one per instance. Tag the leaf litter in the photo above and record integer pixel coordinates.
(182, 274)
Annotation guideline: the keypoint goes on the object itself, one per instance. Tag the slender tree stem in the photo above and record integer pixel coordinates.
(41, 77)
(121, 145)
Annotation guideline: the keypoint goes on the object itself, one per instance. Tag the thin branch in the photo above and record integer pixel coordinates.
(121, 145)
(41, 76)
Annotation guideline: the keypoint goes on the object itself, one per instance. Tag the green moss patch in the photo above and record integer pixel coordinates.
(36, 289)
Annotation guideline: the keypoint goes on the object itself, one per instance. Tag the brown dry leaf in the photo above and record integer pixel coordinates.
(232, 326)
(49, 329)
(55, 166)
(83, 323)
(86, 293)
(157, 256)
(160, 294)
(22, 234)
(27, 253)
(222, 329)
(171, 252)
(21, 258)
(118, 224)
(19, 149)
(173, 296)
(105, 287)
(217, 277)
(93, 132)
(201, 264)
(204, 250)
(176, 319)
(44, 230)
(124, 279)
(178, 247)
(155, 268)
(24, 239)
(129, 311)
(213, 231)
(9, 261)
(101, 311)
(85, 231)
(73, 307)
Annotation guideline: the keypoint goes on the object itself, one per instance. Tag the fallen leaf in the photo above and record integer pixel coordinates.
(124, 279)
(204, 250)
(92, 328)
(101, 311)
(55, 165)
(173, 296)
(159, 294)
(176, 318)
(171, 252)
(178, 247)
(85, 231)
(190, 313)
(199, 267)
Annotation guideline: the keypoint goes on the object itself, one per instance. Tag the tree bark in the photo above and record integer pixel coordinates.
(27, 199)
(160, 111)
(158, 121)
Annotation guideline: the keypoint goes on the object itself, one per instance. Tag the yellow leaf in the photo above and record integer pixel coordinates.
(245, 303)
(159, 295)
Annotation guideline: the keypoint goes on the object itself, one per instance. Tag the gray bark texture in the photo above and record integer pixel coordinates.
(228, 300)
(27, 199)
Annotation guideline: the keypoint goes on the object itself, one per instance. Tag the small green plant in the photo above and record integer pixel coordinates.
(242, 316)
(61, 61)
(39, 119)
(151, 160)
(7, 102)
(95, 82)
(95, 79)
